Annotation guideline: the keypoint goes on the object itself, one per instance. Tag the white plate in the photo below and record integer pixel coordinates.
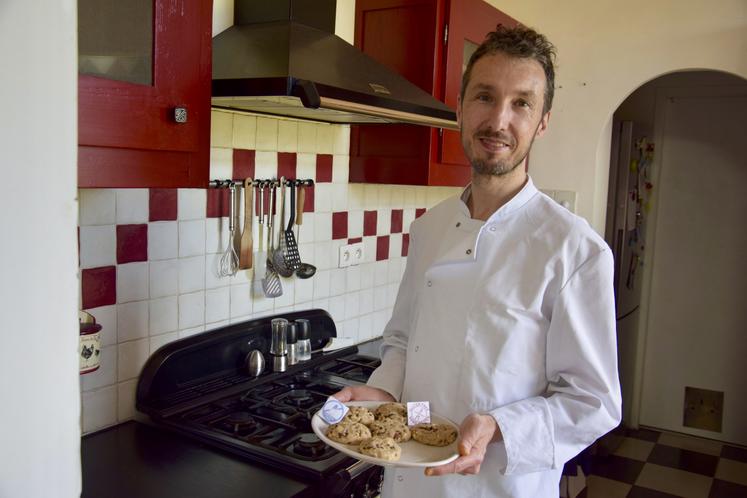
(414, 454)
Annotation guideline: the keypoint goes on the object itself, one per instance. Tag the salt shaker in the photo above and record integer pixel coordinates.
(292, 344)
(303, 350)
(278, 346)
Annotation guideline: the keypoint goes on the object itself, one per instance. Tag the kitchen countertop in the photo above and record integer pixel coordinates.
(136, 460)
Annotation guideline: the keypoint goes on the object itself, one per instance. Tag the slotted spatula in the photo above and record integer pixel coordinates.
(292, 258)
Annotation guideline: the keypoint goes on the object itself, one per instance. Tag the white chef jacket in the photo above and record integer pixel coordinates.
(512, 317)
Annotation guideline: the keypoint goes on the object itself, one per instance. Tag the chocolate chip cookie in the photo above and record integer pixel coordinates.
(348, 432)
(393, 427)
(381, 447)
(434, 434)
(359, 414)
(389, 409)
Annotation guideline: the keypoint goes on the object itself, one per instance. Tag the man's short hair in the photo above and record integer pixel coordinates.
(520, 42)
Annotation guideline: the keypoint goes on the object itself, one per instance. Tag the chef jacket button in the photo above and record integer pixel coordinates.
(469, 251)
(430, 284)
(492, 229)
(417, 348)
(400, 478)
(459, 223)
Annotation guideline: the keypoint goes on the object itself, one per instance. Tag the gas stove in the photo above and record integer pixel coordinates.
(198, 387)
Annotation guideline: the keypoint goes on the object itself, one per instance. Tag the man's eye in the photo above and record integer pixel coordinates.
(483, 97)
(523, 103)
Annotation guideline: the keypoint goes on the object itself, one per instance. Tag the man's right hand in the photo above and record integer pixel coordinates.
(363, 393)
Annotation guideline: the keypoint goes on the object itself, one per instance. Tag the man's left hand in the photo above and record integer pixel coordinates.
(475, 433)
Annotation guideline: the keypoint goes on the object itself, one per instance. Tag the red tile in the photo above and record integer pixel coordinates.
(287, 164)
(324, 168)
(419, 212)
(308, 204)
(355, 240)
(405, 244)
(369, 223)
(243, 164)
(162, 204)
(396, 221)
(99, 286)
(340, 225)
(132, 243)
(217, 202)
(382, 247)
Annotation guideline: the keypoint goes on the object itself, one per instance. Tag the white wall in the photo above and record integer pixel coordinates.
(606, 50)
(39, 421)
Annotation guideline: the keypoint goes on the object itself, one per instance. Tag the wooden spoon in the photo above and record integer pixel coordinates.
(245, 250)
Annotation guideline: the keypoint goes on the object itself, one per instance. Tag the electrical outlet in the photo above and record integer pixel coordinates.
(351, 255)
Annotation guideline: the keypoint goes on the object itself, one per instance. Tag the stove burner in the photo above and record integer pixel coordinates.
(238, 423)
(299, 397)
(309, 445)
(272, 414)
(240, 419)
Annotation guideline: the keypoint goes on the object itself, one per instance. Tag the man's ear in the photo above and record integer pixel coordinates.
(542, 126)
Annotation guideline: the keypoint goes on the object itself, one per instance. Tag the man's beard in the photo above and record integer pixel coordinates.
(498, 167)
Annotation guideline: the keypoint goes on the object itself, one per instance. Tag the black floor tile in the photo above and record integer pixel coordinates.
(617, 468)
(726, 489)
(677, 458)
(640, 492)
(734, 453)
(645, 434)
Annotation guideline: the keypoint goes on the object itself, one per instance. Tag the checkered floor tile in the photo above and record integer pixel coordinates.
(653, 464)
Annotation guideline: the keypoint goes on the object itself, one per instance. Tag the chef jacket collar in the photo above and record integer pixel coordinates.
(514, 204)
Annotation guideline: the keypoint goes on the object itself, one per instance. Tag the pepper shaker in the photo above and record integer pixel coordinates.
(303, 350)
(292, 344)
(278, 346)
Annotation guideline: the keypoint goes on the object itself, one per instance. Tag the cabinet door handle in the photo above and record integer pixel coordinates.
(180, 114)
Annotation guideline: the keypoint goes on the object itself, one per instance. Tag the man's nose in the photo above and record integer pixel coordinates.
(500, 116)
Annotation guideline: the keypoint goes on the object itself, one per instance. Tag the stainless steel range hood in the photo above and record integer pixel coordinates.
(282, 58)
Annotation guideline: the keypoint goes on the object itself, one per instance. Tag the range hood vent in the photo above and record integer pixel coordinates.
(281, 58)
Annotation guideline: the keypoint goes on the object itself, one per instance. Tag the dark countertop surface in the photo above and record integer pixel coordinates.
(134, 460)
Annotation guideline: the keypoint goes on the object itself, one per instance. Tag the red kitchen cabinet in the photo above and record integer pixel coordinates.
(144, 93)
(429, 42)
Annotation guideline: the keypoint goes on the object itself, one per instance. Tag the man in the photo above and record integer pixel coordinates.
(505, 316)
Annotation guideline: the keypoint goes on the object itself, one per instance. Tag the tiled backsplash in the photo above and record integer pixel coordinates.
(149, 257)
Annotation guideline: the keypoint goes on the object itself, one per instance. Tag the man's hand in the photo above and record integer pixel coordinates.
(475, 433)
(363, 393)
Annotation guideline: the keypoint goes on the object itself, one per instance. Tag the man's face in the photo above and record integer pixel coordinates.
(501, 112)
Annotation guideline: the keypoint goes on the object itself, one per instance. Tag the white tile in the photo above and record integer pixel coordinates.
(381, 273)
(241, 319)
(353, 278)
(132, 321)
(96, 206)
(244, 132)
(355, 224)
(191, 203)
(395, 250)
(217, 325)
(191, 274)
(384, 222)
(191, 331)
(381, 318)
(191, 310)
(325, 138)
(421, 197)
(191, 238)
(337, 308)
(352, 305)
(410, 196)
(98, 246)
(367, 275)
(265, 164)
(341, 139)
(221, 163)
(339, 197)
(381, 297)
(267, 134)
(106, 316)
(307, 136)
(365, 327)
(393, 270)
(163, 315)
(163, 240)
(635, 449)
(692, 443)
(340, 169)
(322, 304)
(369, 249)
(216, 235)
(99, 409)
(323, 197)
(304, 290)
(261, 305)
(132, 205)
(337, 282)
(306, 166)
(732, 471)
(324, 259)
(126, 400)
(371, 197)
(287, 136)
(321, 284)
(106, 375)
(217, 303)
(164, 278)
(398, 197)
(287, 297)
(408, 216)
(322, 227)
(221, 129)
(674, 481)
(366, 297)
(356, 196)
(306, 251)
(131, 358)
(157, 341)
(241, 300)
(241, 277)
(212, 279)
(392, 290)
(385, 196)
(132, 282)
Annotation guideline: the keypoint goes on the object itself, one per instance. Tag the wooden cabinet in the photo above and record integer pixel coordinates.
(429, 42)
(144, 93)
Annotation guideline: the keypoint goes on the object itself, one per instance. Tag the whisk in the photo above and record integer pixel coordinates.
(229, 262)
